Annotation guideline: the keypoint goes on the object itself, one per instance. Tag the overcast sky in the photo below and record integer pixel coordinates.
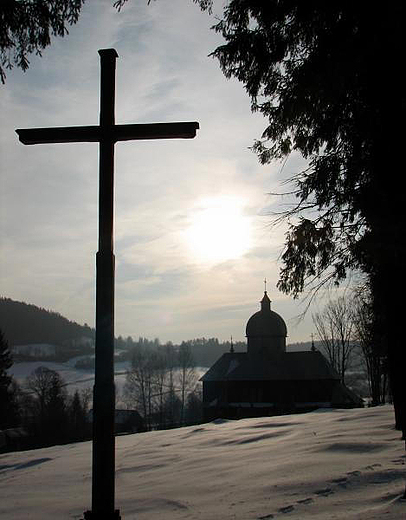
(193, 240)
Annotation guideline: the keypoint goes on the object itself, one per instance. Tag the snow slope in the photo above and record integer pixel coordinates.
(328, 464)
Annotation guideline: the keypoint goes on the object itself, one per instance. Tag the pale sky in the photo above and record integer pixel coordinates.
(193, 235)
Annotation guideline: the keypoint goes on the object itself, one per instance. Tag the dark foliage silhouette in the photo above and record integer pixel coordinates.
(26, 27)
(326, 76)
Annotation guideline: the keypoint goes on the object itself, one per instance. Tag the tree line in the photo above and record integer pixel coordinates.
(161, 385)
(205, 351)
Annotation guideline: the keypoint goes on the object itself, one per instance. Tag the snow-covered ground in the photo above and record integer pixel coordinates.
(328, 464)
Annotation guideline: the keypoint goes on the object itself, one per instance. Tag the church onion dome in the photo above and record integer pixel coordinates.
(266, 323)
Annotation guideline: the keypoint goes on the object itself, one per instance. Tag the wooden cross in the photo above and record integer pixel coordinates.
(106, 134)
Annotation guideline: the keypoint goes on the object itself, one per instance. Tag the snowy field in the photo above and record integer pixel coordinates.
(74, 378)
(328, 464)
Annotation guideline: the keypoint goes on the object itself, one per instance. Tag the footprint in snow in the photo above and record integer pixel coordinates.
(354, 473)
(305, 501)
(340, 481)
(324, 492)
(373, 466)
(286, 509)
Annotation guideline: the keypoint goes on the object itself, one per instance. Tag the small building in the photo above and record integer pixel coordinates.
(125, 421)
(81, 342)
(128, 421)
(35, 350)
(267, 380)
(13, 439)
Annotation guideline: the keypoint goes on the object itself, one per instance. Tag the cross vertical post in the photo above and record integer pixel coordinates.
(106, 134)
(104, 390)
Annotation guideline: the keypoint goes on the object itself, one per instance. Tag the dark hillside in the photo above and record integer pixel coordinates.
(24, 323)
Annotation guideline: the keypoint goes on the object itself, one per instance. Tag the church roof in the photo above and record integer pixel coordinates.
(266, 323)
(288, 366)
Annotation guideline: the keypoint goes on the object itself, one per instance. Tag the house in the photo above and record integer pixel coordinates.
(267, 380)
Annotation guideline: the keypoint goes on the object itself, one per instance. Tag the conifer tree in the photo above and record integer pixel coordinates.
(8, 406)
(78, 425)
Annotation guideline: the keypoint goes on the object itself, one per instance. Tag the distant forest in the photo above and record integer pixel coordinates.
(205, 351)
(23, 324)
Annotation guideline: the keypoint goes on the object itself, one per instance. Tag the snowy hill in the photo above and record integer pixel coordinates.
(341, 464)
(24, 323)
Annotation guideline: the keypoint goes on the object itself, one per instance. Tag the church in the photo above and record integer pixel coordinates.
(267, 380)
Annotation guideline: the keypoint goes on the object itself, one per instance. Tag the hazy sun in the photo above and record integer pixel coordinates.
(219, 230)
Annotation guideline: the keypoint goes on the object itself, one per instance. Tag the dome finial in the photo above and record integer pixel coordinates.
(265, 303)
(265, 284)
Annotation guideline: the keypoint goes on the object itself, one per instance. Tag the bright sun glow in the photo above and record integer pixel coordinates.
(219, 230)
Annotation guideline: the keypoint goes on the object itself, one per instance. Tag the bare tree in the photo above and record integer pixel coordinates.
(40, 382)
(159, 382)
(137, 388)
(171, 401)
(335, 329)
(146, 383)
(86, 395)
(187, 376)
(51, 397)
(372, 346)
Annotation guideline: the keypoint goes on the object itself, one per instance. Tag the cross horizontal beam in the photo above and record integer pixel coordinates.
(86, 134)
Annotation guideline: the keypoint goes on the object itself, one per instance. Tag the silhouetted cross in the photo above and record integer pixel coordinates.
(106, 134)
